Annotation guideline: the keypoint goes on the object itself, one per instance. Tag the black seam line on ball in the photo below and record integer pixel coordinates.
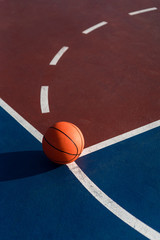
(74, 157)
(80, 136)
(68, 137)
(69, 161)
(59, 149)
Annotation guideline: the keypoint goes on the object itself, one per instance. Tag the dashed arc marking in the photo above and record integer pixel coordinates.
(106, 201)
(44, 99)
(58, 55)
(94, 27)
(44, 89)
(142, 11)
(90, 186)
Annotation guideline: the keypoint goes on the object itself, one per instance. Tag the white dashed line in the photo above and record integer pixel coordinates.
(58, 55)
(94, 27)
(44, 99)
(142, 11)
(105, 200)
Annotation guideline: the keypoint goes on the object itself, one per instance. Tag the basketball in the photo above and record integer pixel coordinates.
(63, 142)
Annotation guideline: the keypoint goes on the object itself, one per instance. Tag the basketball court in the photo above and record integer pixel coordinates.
(94, 64)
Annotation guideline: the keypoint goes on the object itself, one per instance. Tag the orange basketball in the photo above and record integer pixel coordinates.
(63, 142)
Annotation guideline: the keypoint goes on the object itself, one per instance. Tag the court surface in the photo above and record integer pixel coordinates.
(95, 64)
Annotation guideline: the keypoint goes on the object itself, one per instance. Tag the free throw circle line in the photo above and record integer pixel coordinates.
(94, 27)
(142, 11)
(58, 55)
(106, 201)
(44, 99)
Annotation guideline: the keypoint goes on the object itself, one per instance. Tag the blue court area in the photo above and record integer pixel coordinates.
(41, 200)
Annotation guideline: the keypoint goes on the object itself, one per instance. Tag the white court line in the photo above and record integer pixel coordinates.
(44, 99)
(106, 201)
(21, 120)
(142, 11)
(112, 206)
(94, 27)
(58, 55)
(120, 138)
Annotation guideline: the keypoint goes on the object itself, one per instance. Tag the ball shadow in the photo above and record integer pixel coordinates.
(17, 165)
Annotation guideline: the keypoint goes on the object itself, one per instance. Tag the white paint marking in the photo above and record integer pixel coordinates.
(112, 206)
(21, 120)
(94, 27)
(142, 11)
(120, 138)
(58, 55)
(106, 201)
(44, 99)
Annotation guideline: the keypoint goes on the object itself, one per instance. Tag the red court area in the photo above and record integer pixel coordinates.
(106, 83)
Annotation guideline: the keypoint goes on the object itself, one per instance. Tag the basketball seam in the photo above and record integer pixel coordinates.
(59, 162)
(59, 149)
(69, 138)
(80, 137)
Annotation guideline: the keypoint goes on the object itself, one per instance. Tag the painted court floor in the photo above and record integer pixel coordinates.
(95, 64)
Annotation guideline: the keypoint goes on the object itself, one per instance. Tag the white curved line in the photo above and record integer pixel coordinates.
(106, 201)
(44, 99)
(94, 27)
(142, 11)
(58, 55)
(112, 206)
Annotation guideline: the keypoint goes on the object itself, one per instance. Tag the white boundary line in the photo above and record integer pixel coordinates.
(120, 138)
(94, 27)
(44, 99)
(112, 206)
(106, 201)
(142, 11)
(58, 55)
(21, 120)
